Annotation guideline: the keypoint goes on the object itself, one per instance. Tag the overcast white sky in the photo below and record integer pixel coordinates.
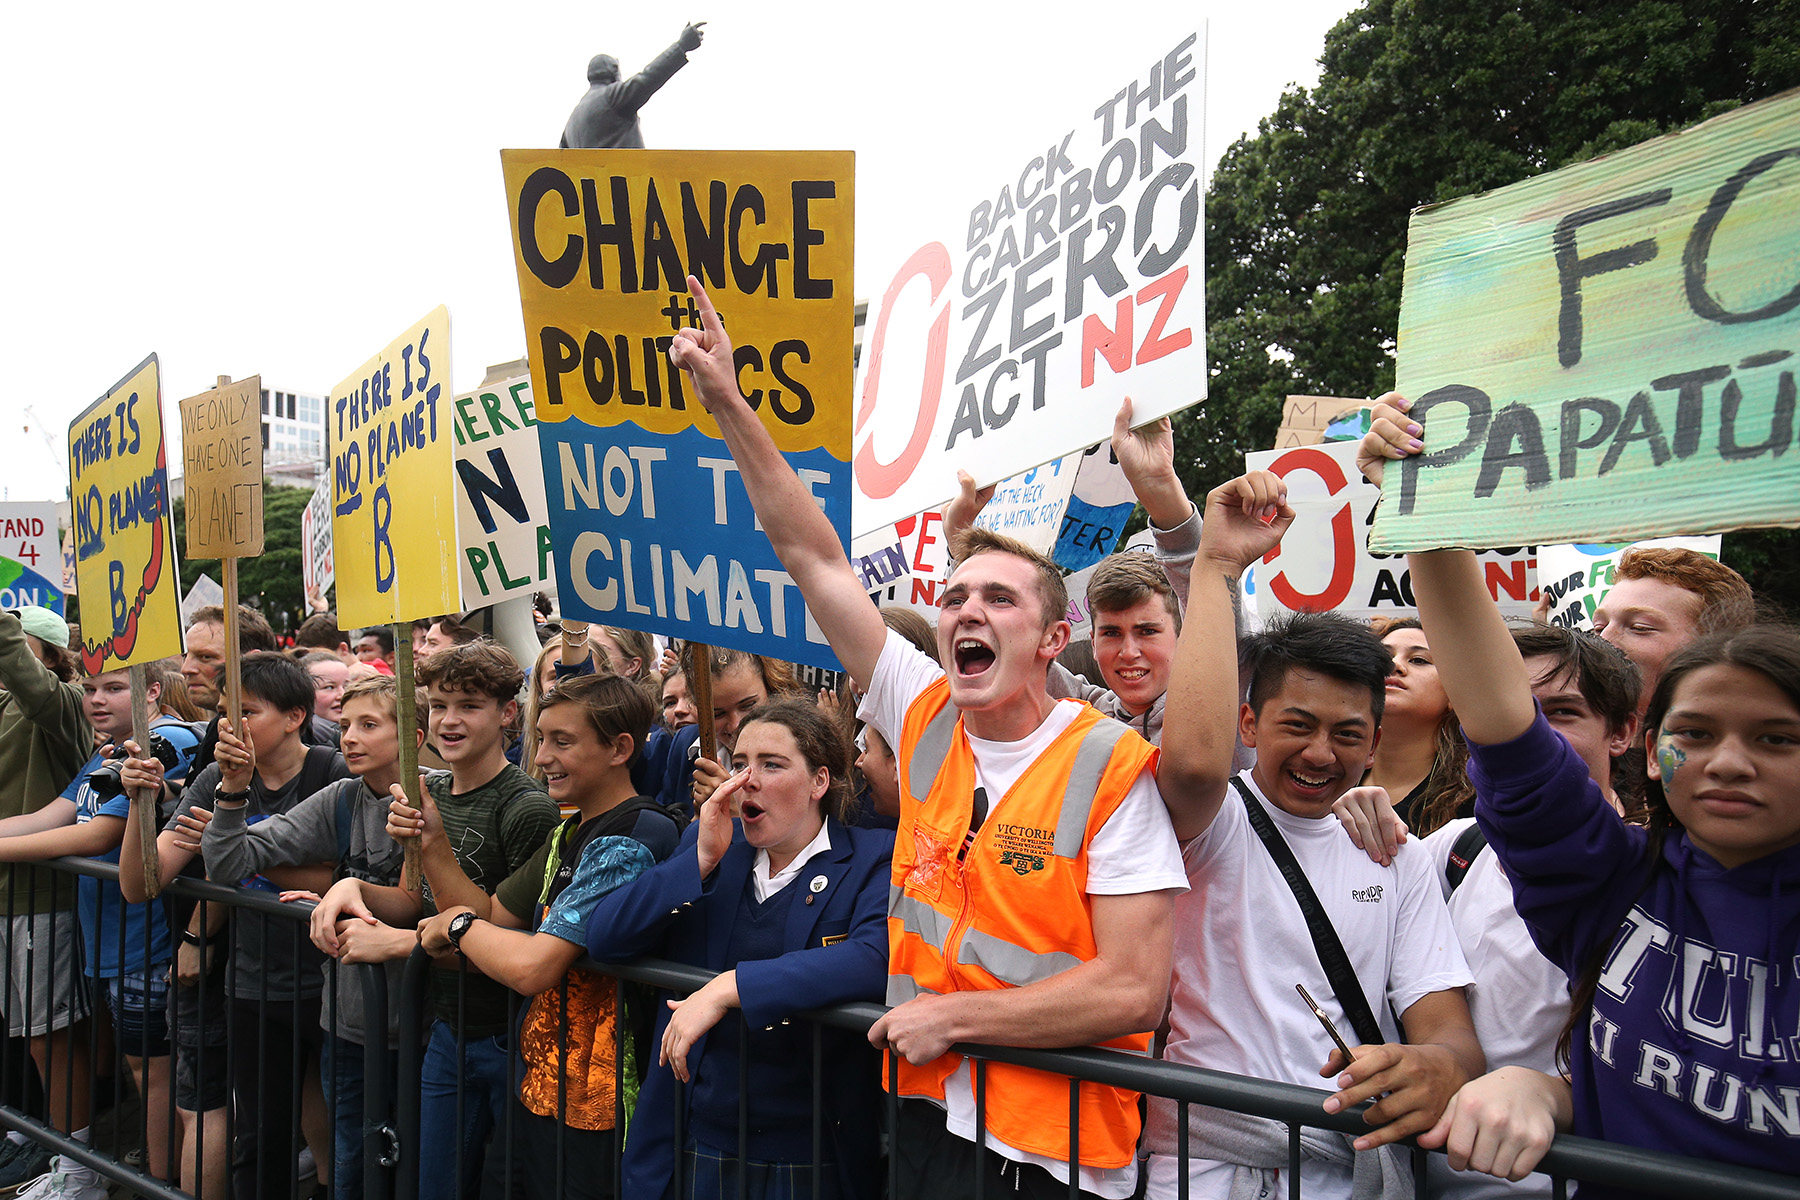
(248, 188)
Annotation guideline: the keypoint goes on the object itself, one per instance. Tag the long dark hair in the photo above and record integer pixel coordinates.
(1448, 792)
(1772, 651)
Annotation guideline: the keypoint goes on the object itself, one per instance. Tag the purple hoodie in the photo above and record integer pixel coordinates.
(1693, 1042)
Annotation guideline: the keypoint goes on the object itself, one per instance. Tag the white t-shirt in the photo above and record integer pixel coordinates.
(1241, 945)
(1134, 852)
(1519, 999)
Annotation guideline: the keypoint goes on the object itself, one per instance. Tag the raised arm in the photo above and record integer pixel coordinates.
(797, 527)
(1245, 519)
(53, 706)
(1477, 662)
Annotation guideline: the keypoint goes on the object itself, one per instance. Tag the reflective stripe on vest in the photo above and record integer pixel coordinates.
(901, 988)
(1004, 960)
(927, 759)
(918, 917)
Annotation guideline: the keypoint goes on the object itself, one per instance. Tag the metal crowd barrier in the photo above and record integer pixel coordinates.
(391, 1146)
(282, 929)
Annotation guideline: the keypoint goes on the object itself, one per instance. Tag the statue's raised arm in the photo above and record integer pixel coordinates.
(606, 118)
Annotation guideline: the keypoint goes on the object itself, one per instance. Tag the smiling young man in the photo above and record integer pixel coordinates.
(487, 818)
(1242, 941)
(1061, 879)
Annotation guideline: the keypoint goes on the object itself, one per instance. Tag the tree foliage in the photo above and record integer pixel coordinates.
(1422, 101)
(271, 582)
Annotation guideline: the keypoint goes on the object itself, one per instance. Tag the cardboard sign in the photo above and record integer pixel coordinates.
(316, 567)
(124, 546)
(222, 470)
(1076, 277)
(30, 558)
(1101, 504)
(393, 529)
(1323, 565)
(652, 526)
(1606, 352)
(1031, 506)
(68, 561)
(1578, 577)
(501, 513)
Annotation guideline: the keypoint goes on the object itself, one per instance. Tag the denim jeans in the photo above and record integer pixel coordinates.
(486, 1094)
(344, 1093)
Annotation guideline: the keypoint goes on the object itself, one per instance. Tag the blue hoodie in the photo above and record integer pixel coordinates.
(1693, 1041)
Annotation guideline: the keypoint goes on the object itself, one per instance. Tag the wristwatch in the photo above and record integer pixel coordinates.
(459, 925)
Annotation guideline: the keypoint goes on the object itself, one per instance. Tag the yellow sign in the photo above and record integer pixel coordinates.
(124, 548)
(604, 242)
(393, 523)
(652, 527)
(222, 462)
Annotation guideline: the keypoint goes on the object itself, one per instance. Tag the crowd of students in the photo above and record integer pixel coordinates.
(1536, 879)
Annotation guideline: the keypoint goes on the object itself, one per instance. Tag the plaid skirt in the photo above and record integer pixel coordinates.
(712, 1174)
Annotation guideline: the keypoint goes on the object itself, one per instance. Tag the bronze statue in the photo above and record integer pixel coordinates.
(606, 118)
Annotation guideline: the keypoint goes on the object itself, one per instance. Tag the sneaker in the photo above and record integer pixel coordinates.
(28, 1162)
(10, 1149)
(305, 1166)
(66, 1180)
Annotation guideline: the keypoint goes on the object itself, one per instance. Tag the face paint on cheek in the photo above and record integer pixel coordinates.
(1669, 757)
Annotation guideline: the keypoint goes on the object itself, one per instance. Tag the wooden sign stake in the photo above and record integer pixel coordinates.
(149, 811)
(700, 689)
(406, 709)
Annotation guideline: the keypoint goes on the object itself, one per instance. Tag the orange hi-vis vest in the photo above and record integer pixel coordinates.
(1013, 911)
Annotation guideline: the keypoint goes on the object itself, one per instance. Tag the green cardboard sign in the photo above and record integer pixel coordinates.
(1608, 352)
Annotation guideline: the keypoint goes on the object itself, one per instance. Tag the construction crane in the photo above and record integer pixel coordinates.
(57, 452)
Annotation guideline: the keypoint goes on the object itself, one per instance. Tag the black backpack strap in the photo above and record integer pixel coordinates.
(343, 825)
(1463, 852)
(1324, 938)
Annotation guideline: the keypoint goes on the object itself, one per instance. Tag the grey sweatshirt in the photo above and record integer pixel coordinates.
(1176, 550)
(308, 833)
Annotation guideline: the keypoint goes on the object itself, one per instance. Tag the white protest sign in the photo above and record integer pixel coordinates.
(30, 559)
(206, 593)
(1323, 564)
(501, 512)
(1578, 577)
(904, 564)
(316, 567)
(1072, 275)
(1101, 504)
(1030, 506)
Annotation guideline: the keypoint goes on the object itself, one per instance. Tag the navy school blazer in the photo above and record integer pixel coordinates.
(669, 912)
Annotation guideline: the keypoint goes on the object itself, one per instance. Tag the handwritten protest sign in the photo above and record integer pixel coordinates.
(221, 455)
(1323, 565)
(1101, 504)
(904, 564)
(30, 559)
(393, 500)
(1606, 352)
(1578, 577)
(1006, 339)
(1030, 505)
(316, 568)
(500, 508)
(124, 547)
(652, 526)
